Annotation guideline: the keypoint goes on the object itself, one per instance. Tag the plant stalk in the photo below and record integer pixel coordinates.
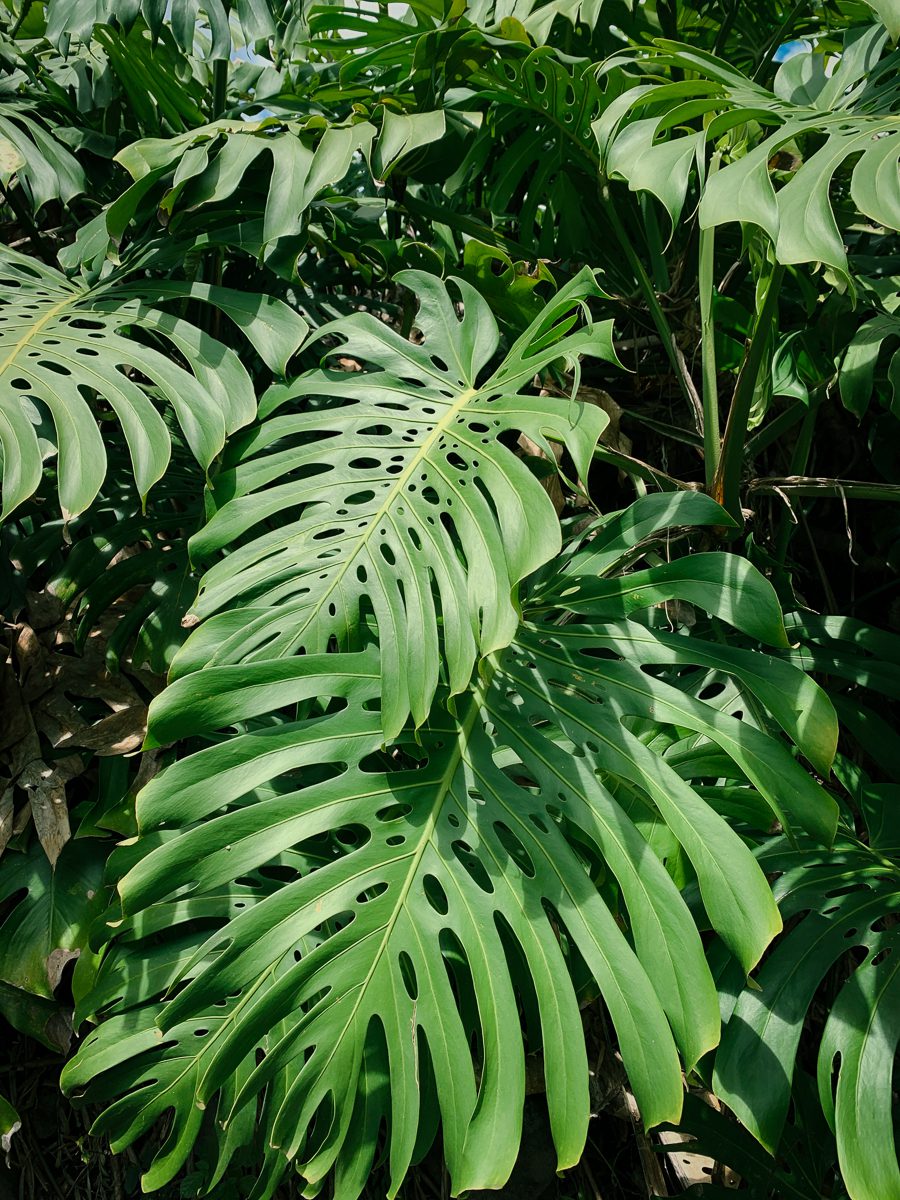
(676, 358)
(712, 438)
(219, 88)
(727, 481)
(21, 18)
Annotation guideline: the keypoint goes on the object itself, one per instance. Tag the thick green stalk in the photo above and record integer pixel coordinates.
(648, 291)
(727, 482)
(21, 18)
(219, 87)
(712, 447)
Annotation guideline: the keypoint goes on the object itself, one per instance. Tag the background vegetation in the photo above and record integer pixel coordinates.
(471, 431)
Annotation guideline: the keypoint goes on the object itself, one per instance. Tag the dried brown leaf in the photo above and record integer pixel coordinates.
(7, 815)
(44, 610)
(23, 816)
(120, 733)
(17, 724)
(552, 484)
(56, 963)
(35, 671)
(46, 788)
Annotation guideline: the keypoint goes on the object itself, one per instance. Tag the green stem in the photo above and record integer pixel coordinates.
(655, 308)
(712, 442)
(725, 28)
(219, 88)
(727, 482)
(21, 18)
(778, 38)
(654, 243)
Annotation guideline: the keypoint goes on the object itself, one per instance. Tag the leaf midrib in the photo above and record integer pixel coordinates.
(35, 329)
(441, 791)
(383, 512)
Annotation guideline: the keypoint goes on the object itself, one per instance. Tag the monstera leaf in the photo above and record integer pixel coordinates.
(298, 160)
(68, 351)
(36, 159)
(647, 137)
(404, 501)
(537, 156)
(496, 864)
(836, 902)
(843, 940)
(77, 18)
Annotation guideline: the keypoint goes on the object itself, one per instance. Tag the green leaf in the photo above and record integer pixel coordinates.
(798, 704)
(714, 1133)
(275, 330)
(211, 162)
(401, 133)
(731, 586)
(889, 15)
(616, 536)
(51, 911)
(857, 373)
(654, 152)
(449, 842)
(844, 901)
(395, 456)
(42, 164)
(62, 344)
(434, 886)
(10, 1124)
(863, 1031)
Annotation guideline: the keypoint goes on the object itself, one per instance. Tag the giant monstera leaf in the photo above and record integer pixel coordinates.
(430, 893)
(68, 351)
(403, 498)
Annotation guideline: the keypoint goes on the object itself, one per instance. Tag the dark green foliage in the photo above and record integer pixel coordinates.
(415, 427)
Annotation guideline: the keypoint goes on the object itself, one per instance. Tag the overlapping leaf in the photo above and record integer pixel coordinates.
(66, 348)
(650, 137)
(845, 900)
(32, 157)
(77, 18)
(296, 160)
(402, 499)
(488, 865)
(841, 911)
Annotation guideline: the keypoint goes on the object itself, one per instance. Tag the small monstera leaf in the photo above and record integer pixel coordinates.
(203, 169)
(846, 118)
(836, 902)
(77, 18)
(841, 912)
(404, 501)
(496, 865)
(39, 161)
(67, 348)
